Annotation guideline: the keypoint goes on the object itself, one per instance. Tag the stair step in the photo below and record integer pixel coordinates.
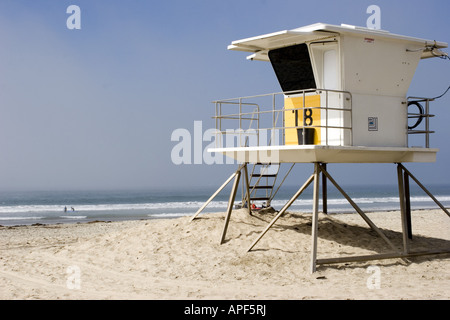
(260, 187)
(266, 164)
(263, 175)
(259, 198)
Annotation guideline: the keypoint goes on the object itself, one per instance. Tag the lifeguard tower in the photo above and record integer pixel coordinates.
(343, 100)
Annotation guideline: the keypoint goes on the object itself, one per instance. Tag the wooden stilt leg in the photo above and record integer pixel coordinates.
(214, 195)
(247, 188)
(425, 189)
(407, 205)
(401, 192)
(324, 191)
(230, 205)
(360, 212)
(315, 218)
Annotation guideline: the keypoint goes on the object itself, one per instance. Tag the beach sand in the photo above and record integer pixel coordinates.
(179, 259)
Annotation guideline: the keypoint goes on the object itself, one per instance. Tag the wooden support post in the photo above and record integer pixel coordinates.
(360, 212)
(315, 217)
(424, 189)
(407, 205)
(324, 191)
(247, 190)
(401, 193)
(215, 194)
(230, 204)
(403, 181)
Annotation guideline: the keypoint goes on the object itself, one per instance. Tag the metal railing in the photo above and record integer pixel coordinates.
(255, 117)
(424, 113)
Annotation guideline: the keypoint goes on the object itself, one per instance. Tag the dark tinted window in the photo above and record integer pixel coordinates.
(293, 67)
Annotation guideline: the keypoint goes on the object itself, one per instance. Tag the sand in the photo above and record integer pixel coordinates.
(178, 259)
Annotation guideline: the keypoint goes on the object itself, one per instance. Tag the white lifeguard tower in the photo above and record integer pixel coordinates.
(343, 100)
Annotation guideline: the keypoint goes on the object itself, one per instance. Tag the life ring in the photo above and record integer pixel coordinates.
(421, 112)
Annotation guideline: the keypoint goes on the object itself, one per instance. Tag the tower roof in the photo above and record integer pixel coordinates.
(260, 45)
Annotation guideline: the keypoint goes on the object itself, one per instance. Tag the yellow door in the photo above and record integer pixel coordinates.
(294, 118)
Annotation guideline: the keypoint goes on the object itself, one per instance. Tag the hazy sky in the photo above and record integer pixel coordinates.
(96, 107)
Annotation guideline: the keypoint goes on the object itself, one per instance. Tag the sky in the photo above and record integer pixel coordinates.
(95, 108)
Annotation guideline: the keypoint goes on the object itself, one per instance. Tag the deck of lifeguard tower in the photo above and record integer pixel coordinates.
(343, 100)
(346, 85)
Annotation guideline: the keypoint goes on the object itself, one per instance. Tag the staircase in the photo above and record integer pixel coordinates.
(262, 181)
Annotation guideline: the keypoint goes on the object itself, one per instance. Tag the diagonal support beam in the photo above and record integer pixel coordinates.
(216, 193)
(424, 189)
(361, 213)
(283, 210)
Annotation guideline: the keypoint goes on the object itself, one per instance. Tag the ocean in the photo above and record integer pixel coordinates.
(48, 207)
